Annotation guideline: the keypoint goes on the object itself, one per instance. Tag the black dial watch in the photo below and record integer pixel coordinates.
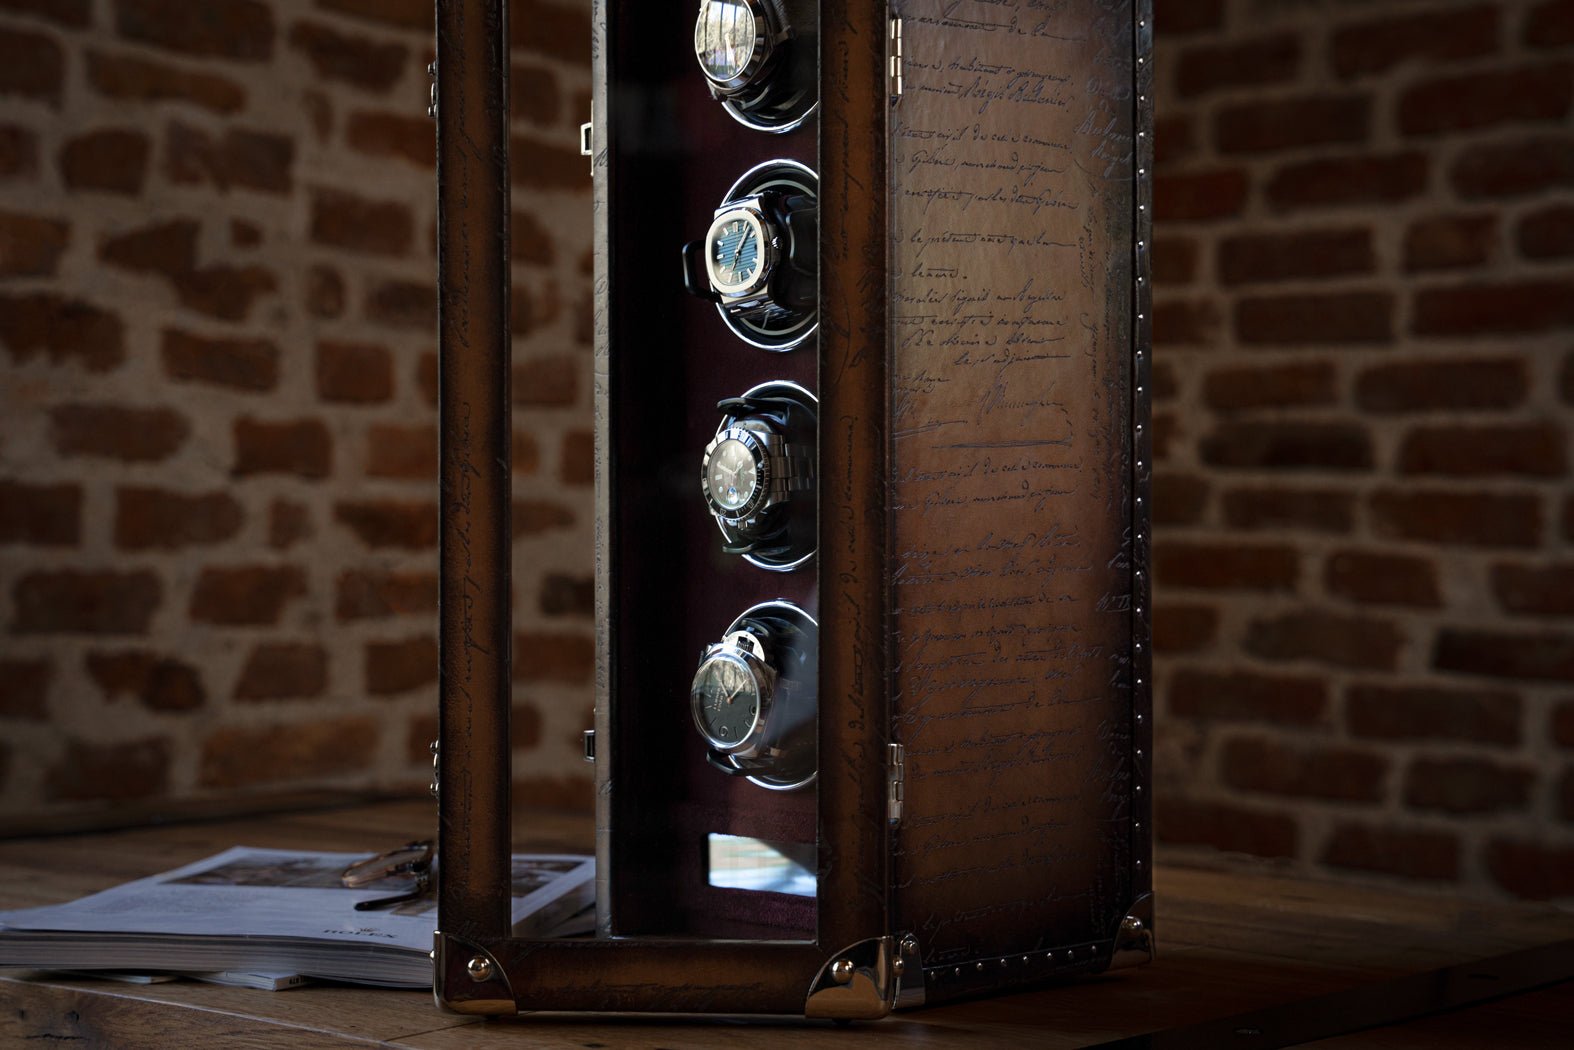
(757, 475)
(754, 62)
(753, 697)
(758, 261)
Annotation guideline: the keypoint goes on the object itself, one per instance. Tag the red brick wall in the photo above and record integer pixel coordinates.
(1364, 269)
(217, 387)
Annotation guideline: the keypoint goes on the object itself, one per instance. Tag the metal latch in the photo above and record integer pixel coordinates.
(437, 779)
(896, 782)
(431, 108)
(895, 60)
(590, 745)
(587, 142)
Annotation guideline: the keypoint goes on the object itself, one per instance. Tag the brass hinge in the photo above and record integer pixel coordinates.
(896, 782)
(894, 69)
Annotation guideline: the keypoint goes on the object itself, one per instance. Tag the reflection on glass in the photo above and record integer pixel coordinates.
(753, 864)
(724, 39)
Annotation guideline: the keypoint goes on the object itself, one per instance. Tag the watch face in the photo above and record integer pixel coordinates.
(732, 475)
(724, 39)
(726, 700)
(735, 251)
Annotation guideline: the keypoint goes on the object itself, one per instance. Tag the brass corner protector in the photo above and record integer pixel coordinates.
(469, 980)
(1134, 936)
(857, 984)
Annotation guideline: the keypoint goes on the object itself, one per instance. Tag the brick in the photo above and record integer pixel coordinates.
(354, 373)
(1562, 728)
(1534, 590)
(1383, 579)
(1260, 60)
(1292, 123)
(109, 772)
(158, 683)
(1434, 36)
(1527, 165)
(1273, 767)
(546, 382)
(1332, 639)
(565, 595)
(241, 30)
(1269, 257)
(71, 13)
(284, 671)
(24, 689)
(1323, 318)
(1174, 260)
(384, 524)
(1186, 323)
(40, 515)
(1509, 308)
(244, 234)
(1469, 519)
(18, 151)
(410, 139)
(1533, 870)
(301, 447)
(31, 246)
(525, 455)
(1302, 385)
(1225, 826)
(402, 666)
(538, 165)
(536, 517)
(419, 738)
(238, 159)
(1167, 433)
(356, 224)
(426, 378)
(1520, 656)
(1566, 796)
(378, 595)
(136, 79)
(524, 727)
(73, 601)
(326, 294)
(404, 304)
(118, 432)
(550, 28)
(1194, 16)
(365, 63)
(1450, 242)
(1245, 696)
(32, 66)
(578, 463)
(398, 451)
(288, 524)
(224, 292)
(1528, 94)
(61, 330)
(1550, 24)
(1465, 786)
(246, 365)
(1423, 712)
(1348, 181)
(248, 596)
(1443, 385)
(1184, 628)
(1411, 854)
(1178, 499)
(529, 241)
(553, 656)
(1547, 233)
(1288, 446)
(1534, 450)
(533, 95)
(167, 248)
(110, 161)
(1199, 196)
(1163, 381)
(155, 519)
(318, 749)
(1233, 566)
(1174, 138)
(1272, 509)
(402, 14)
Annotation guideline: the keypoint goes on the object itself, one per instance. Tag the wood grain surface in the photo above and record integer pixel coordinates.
(1227, 943)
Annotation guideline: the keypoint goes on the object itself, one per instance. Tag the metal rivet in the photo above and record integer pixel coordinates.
(479, 969)
(979, 967)
(909, 945)
(1139, 789)
(842, 971)
(1024, 960)
(898, 966)
(956, 972)
(1139, 752)
(1137, 826)
(1139, 865)
(1004, 963)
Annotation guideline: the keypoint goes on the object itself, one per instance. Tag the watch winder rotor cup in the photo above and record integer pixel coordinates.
(757, 62)
(757, 476)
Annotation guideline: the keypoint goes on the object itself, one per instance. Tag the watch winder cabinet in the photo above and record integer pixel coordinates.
(978, 815)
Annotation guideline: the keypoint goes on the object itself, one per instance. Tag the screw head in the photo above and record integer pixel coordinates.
(479, 969)
(909, 945)
(842, 971)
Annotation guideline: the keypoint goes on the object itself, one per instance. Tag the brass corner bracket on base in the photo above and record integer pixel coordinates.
(468, 980)
(858, 984)
(1134, 937)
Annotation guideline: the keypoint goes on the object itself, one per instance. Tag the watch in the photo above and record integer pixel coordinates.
(758, 261)
(753, 697)
(757, 476)
(749, 55)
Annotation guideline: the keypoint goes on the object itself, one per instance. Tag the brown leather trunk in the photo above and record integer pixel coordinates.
(981, 813)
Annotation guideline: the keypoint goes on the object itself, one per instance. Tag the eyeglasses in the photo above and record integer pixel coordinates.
(413, 859)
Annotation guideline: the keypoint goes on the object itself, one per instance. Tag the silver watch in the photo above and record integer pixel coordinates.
(748, 470)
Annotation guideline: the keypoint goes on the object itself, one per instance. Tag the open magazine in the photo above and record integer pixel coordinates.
(274, 918)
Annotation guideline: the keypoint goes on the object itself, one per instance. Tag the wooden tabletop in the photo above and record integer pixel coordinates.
(1228, 943)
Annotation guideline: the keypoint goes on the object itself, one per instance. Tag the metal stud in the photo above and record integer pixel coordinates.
(479, 969)
(842, 971)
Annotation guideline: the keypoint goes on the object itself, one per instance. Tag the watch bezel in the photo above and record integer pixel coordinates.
(729, 651)
(760, 55)
(750, 211)
(764, 474)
